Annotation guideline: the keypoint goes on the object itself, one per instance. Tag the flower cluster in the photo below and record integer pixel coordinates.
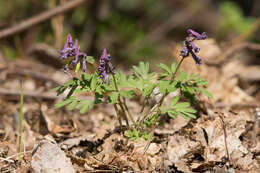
(190, 47)
(72, 50)
(105, 66)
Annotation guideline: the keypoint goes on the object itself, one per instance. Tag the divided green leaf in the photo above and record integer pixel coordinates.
(113, 97)
(90, 60)
(85, 105)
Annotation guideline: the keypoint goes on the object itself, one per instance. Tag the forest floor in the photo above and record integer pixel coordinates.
(225, 137)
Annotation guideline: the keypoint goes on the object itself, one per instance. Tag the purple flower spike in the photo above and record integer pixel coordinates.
(198, 36)
(190, 47)
(105, 66)
(72, 50)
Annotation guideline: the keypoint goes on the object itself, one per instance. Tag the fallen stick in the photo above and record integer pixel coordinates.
(237, 105)
(40, 18)
(42, 95)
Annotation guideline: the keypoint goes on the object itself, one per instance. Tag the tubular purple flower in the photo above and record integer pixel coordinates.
(190, 47)
(72, 50)
(198, 36)
(69, 41)
(196, 59)
(105, 66)
(194, 47)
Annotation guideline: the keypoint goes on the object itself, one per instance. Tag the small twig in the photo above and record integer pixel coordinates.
(225, 138)
(9, 170)
(150, 140)
(42, 95)
(51, 96)
(12, 156)
(247, 34)
(93, 171)
(239, 43)
(40, 18)
(34, 74)
(234, 105)
(234, 49)
(6, 160)
(256, 127)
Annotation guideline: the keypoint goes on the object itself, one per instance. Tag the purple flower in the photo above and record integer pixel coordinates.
(198, 36)
(190, 47)
(196, 59)
(105, 66)
(72, 50)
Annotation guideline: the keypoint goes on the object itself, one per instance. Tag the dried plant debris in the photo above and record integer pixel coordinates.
(206, 145)
(118, 154)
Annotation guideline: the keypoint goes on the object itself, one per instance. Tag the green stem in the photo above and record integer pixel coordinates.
(163, 97)
(21, 124)
(172, 79)
(146, 100)
(177, 68)
(142, 109)
(146, 115)
(144, 103)
(118, 116)
(128, 112)
(120, 102)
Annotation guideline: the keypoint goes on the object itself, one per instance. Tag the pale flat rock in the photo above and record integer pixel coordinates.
(49, 158)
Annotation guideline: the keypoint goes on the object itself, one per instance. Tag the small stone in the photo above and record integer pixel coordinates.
(49, 158)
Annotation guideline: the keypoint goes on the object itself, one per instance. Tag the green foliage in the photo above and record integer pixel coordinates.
(132, 134)
(90, 59)
(142, 79)
(147, 135)
(141, 83)
(233, 19)
(9, 52)
(190, 85)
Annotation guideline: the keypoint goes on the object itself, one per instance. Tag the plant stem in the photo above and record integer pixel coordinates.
(119, 101)
(21, 123)
(163, 97)
(144, 103)
(128, 112)
(118, 116)
(172, 79)
(142, 109)
(146, 115)
(177, 68)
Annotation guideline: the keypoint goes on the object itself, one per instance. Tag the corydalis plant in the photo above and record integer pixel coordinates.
(72, 56)
(109, 86)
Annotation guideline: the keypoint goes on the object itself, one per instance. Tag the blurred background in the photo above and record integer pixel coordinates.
(132, 30)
